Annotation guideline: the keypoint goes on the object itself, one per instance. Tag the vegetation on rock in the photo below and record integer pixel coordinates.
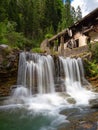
(91, 65)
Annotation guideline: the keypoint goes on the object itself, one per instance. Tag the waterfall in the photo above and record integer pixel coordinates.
(75, 82)
(39, 74)
(36, 72)
(73, 71)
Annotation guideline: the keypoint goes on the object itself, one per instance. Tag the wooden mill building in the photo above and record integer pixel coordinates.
(78, 35)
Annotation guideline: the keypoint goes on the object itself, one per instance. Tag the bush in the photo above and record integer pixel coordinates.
(48, 35)
(16, 39)
(9, 36)
(91, 68)
(94, 51)
(37, 50)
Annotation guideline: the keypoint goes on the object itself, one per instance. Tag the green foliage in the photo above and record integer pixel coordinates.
(31, 20)
(91, 68)
(69, 15)
(37, 50)
(53, 13)
(3, 10)
(67, 19)
(49, 35)
(7, 51)
(94, 50)
(9, 36)
(18, 40)
(3, 32)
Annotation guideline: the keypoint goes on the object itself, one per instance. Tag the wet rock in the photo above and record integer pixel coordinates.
(87, 126)
(71, 100)
(94, 82)
(94, 103)
(64, 95)
(4, 46)
(95, 106)
(81, 120)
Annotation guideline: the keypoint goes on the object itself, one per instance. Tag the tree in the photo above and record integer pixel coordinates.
(67, 15)
(3, 10)
(13, 13)
(73, 13)
(33, 18)
(78, 13)
(53, 13)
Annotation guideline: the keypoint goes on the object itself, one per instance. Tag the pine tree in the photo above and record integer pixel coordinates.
(73, 13)
(13, 13)
(3, 10)
(78, 13)
(53, 13)
(67, 15)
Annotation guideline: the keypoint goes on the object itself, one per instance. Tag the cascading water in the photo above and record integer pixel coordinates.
(35, 100)
(75, 81)
(73, 70)
(36, 72)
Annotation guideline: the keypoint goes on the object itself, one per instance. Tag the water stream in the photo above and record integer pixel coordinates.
(35, 104)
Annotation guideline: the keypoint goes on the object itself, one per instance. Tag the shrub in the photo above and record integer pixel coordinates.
(37, 50)
(94, 51)
(91, 68)
(9, 36)
(48, 35)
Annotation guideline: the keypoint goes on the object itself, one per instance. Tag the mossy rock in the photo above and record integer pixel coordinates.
(71, 100)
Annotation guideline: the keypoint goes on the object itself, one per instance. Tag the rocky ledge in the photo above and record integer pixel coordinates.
(94, 82)
(8, 68)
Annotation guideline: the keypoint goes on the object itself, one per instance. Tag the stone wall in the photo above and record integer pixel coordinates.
(75, 51)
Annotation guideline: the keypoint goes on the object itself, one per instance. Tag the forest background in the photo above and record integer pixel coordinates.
(25, 23)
